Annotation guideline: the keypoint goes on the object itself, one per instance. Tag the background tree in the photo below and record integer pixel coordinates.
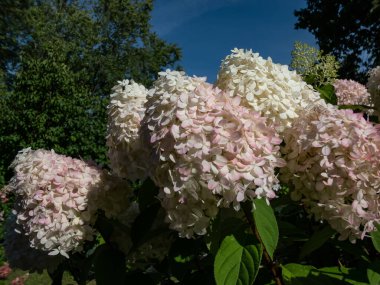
(350, 30)
(12, 25)
(58, 62)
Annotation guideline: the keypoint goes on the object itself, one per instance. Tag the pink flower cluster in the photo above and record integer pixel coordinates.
(125, 112)
(333, 164)
(57, 199)
(211, 151)
(350, 92)
(51, 199)
(5, 270)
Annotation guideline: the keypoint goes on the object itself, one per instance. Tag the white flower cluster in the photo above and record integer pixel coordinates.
(162, 99)
(125, 112)
(159, 117)
(268, 88)
(51, 199)
(211, 152)
(333, 164)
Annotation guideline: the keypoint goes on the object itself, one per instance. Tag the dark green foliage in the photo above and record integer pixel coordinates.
(188, 259)
(318, 238)
(147, 194)
(106, 260)
(350, 30)
(142, 226)
(58, 63)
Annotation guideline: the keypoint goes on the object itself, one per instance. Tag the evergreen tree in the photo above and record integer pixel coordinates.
(59, 60)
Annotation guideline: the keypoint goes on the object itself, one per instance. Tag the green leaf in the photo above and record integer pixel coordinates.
(221, 227)
(328, 94)
(109, 266)
(238, 260)
(373, 273)
(143, 223)
(316, 240)
(292, 273)
(266, 225)
(349, 276)
(375, 235)
(297, 274)
(147, 194)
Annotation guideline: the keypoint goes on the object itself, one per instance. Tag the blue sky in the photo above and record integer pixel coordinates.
(206, 30)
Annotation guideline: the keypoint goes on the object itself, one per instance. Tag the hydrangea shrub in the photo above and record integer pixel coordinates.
(255, 178)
